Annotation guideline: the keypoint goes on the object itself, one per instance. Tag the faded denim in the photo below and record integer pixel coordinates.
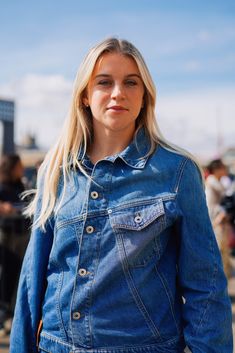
(129, 264)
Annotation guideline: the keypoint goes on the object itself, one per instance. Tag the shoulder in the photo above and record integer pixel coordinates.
(180, 168)
(172, 161)
(167, 156)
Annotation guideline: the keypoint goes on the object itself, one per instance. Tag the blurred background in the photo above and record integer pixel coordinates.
(189, 47)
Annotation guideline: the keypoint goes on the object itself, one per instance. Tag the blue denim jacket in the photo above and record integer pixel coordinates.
(129, 263)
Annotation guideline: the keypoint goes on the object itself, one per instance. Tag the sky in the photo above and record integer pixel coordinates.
(188, 45)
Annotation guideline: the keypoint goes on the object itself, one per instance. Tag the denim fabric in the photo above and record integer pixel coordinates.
(128, 264)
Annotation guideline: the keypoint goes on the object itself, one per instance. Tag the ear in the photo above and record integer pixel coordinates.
(85, 101)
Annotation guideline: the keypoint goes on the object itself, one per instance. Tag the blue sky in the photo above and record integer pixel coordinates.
(189, 47)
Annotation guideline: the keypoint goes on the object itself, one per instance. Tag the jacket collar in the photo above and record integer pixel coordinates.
(134, 155)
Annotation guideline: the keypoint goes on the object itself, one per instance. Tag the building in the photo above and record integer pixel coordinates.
(229, 159)
(7, 117)
(29, 151)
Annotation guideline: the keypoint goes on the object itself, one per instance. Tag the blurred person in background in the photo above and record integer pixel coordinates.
(13, 234)
(11, 185)
(228, 204)
(216, 190)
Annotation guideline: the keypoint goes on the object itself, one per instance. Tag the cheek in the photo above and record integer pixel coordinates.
(97, 99)
(97, 104)
(138, 102)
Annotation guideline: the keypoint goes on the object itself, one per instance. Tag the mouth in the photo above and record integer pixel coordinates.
(117, 108)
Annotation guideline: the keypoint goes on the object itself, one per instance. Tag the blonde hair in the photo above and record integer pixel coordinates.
(77, 129)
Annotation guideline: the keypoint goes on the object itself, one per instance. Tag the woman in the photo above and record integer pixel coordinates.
(13, 235)
(215, 194)
(11, 173)
(122, 256)
(215, 190)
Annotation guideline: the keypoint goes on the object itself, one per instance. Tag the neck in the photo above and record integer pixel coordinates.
(108, 143)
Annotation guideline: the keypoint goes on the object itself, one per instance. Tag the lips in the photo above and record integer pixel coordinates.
(117, 108)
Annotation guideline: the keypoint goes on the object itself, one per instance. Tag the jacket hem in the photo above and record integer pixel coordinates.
(52, 344)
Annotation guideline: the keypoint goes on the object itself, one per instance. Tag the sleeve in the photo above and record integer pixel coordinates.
(207, 309)
(31, 289)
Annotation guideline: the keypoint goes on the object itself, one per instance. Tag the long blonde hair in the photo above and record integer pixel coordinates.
(77, 129)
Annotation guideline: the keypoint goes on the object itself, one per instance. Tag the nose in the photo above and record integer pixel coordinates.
(118, 91)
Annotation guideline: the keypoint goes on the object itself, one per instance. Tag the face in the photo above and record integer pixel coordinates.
(18, 171)
(222, 171)
(115, 93)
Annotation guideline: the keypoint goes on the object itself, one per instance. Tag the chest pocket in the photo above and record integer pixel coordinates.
(137, 230)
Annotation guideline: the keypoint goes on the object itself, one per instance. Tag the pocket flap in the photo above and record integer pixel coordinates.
(137, 217)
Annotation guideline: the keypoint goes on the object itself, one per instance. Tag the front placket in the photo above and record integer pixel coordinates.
(94, 222)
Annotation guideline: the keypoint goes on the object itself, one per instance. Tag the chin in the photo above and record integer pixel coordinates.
(121, 128)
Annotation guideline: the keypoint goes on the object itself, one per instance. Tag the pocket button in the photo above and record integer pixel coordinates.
(138, 219)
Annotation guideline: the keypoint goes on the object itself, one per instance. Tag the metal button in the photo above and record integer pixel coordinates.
(138, 219)
(90, 229)
(76, 315)
(82, 272)
(94, 195)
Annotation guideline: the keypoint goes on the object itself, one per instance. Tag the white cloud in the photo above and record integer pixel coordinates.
(41, 105)
(197, 119)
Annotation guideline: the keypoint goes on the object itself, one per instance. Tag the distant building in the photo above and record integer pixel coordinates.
(29, 151)
(229, 158)
(7, 117)
(29, 142)
(31, 156)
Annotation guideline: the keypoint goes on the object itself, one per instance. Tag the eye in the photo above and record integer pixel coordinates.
(130, 82)
(105, 82)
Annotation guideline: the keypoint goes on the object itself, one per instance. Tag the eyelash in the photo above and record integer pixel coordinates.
(104, 83)
(131, 82)
(109, 83)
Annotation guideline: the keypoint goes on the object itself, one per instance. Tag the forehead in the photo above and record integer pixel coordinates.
(115, 63)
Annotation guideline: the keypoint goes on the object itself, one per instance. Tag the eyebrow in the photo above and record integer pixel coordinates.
(107, 75)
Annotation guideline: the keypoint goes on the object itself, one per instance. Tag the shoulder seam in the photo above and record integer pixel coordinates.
(180, 173)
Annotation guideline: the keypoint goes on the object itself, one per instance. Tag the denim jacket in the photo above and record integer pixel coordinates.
(128, 264)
